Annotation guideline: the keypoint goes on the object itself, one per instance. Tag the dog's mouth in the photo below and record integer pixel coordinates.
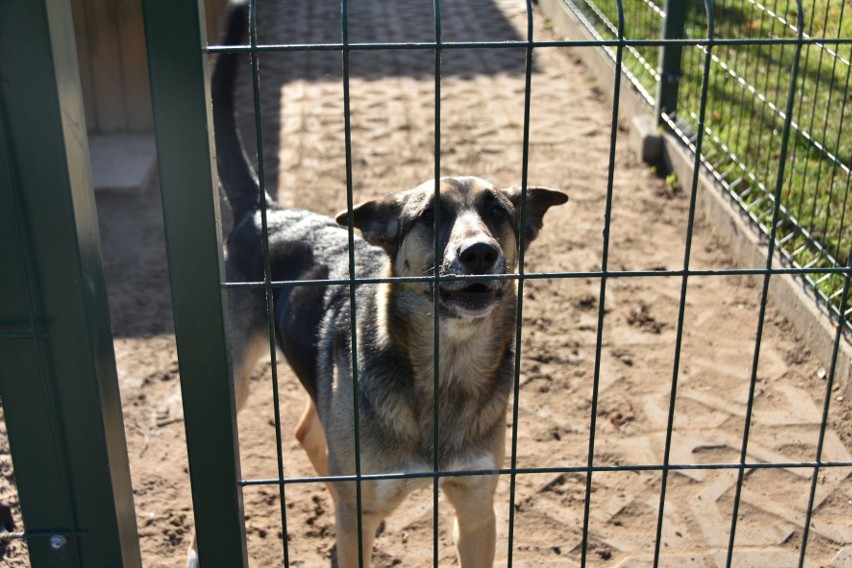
(474, 299)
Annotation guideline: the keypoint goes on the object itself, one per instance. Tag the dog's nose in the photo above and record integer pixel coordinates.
(478, 257)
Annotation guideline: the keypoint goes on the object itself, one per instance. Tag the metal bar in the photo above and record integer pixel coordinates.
(693, 195)
(554, 469)
(508, 44)
(801, 271)
(180, 92)
(267, 274)
(785, 138)
(602, 295)
(59, 387)
(519, 315)
(347, 124)
(824, 422)
(436, 276)
(32, 335)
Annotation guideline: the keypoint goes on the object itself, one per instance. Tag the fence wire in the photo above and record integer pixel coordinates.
(771, 134)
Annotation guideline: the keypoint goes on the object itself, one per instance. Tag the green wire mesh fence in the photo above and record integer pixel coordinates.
(768, 84)
(759, 91)
(749, 80)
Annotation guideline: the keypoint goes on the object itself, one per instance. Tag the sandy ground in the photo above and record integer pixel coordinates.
(482, 93)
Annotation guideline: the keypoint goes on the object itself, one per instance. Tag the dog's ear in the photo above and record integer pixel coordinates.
(378, 221)
(539, 200)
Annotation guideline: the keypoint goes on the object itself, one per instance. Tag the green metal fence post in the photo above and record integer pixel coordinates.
(58, 379)
(670, 59)
(175, 34)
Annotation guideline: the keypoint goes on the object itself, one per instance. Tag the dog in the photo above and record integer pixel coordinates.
(478, 237)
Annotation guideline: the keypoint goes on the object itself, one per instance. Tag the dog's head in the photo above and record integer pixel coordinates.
(478, 235)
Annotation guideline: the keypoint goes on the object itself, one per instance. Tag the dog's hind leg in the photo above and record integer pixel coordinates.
(310, 434)
(243, 358)
(248, 335)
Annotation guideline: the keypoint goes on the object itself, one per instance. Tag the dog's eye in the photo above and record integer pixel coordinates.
(428, 216)
(498, 213)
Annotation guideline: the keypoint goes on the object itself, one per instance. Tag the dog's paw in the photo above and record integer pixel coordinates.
(192, 559)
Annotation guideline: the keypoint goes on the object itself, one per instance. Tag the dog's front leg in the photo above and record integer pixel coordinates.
(475, 527)
(346, 516)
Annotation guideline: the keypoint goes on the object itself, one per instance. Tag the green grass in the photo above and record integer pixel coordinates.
(743, 123)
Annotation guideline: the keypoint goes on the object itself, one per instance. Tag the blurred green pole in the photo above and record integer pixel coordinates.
(180, 89)
(670, 59)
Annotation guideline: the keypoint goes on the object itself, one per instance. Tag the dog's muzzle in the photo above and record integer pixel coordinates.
(470, 298)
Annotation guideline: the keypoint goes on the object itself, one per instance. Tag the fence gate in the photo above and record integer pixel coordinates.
(65, 421)
(179, 81)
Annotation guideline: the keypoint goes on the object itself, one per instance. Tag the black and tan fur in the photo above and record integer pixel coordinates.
(478, 235)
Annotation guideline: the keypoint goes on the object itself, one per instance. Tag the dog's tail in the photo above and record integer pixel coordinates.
(235, 173)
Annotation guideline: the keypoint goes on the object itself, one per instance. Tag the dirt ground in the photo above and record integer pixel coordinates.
(482, 93)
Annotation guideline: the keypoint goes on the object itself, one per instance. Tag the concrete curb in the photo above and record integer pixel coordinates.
(788, 295)
(122, 163)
